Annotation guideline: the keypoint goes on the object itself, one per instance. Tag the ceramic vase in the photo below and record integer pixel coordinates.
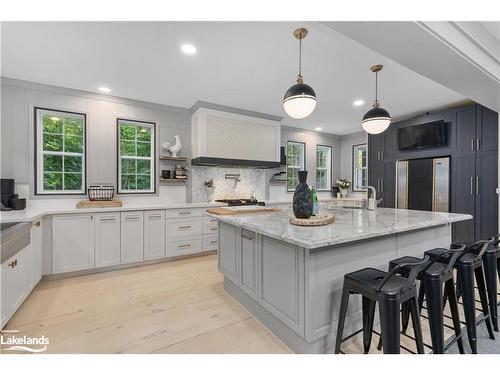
(302, 199)
(344, 192)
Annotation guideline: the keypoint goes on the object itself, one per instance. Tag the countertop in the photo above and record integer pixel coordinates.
(54, 208)
(350, 225)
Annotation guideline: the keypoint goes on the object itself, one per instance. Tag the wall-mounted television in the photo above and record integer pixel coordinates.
(432, 134)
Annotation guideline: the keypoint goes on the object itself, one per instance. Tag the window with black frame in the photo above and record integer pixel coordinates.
(359, 167)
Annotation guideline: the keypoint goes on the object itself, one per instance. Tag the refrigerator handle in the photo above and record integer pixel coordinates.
(472, 185)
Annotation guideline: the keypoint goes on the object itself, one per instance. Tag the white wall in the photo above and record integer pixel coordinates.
(17, 137)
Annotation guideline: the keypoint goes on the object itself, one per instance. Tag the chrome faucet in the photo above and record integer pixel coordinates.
(371, 202)
(233, 176)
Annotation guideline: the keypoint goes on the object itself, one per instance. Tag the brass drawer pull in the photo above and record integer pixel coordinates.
(37, 224)
(213, 229)
(214, 241)
(186, 245)
(107, 219)
(185, 227)
(247, 237)
(185, 213)
(13, 264)
(155, 217)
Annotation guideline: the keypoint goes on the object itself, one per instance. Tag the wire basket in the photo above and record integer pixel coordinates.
(101, 193)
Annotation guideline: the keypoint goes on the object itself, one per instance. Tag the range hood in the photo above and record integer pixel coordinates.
(223, 139)
(234, 163)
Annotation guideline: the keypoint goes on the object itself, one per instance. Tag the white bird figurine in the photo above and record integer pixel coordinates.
(174, 149)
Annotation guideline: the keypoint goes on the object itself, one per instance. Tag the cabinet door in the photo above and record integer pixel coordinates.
(388, 185)
(72, 243)
(375, 175)
(107, 239)
(248, 275)
(132, 237)
(154, 234)
(13, 288)
(463, 196)
(374, 147)
(229, 251)
(37, 244)
(486, 196)
(390, 144)
(487, 130)
(465, 130)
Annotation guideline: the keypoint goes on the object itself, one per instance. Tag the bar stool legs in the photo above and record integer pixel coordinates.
(490, 262)
(368, 318)
(449, 291)
(484, 299)
(389, 326)
(434, 294)
(342, 315)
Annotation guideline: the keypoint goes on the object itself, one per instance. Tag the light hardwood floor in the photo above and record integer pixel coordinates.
(174, 307)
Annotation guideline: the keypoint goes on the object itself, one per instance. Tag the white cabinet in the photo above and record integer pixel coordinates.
(132, 237)
(184, 227)
(20, 274)
(210, 242)
(72, 243)
(154, 234)
(184, 246)
(14, 278)
(107, 239)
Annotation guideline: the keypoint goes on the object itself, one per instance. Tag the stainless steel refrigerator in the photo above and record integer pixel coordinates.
(423, 184)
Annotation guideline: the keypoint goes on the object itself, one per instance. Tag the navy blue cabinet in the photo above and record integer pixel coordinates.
(473, 149)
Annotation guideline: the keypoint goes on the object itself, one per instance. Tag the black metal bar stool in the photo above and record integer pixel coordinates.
(491, 265)
(437, 285)
(390, 291)
(469, 266)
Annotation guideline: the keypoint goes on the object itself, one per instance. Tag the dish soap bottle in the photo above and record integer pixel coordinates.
(314, 197)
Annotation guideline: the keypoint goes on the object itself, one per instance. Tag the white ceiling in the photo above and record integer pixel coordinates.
(247, 65)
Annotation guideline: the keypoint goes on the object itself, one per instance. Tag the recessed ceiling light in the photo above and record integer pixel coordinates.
(104, 89)
(358, 102)
(188, 49)
(318, 128)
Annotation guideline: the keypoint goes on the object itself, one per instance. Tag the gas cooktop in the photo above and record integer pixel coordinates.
(241, 202)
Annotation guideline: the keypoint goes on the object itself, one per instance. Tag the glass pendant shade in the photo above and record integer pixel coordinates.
(299, 101)
(376, 120)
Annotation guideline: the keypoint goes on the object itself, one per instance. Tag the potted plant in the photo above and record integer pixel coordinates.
(344, 185)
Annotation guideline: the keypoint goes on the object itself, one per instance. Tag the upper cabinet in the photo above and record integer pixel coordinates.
(486, 129)
(465, 129)
(218, 134)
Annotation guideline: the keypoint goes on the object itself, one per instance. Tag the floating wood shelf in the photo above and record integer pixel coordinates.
(172, 180)
(178, 158)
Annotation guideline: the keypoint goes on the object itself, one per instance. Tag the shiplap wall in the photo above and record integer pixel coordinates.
(17, 128)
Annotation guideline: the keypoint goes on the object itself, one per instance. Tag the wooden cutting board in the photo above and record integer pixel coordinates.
(314, 221)
(99, 204)
(256, 210)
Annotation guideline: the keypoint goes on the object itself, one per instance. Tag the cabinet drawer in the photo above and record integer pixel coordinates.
(210, 225)
(185, 246)
(210, 242)
(184, 227)
(184, 212)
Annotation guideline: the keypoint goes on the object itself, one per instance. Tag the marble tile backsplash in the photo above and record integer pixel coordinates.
(252, 181)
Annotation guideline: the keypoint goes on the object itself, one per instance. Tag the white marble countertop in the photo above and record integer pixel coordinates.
(350, 225)
(55, 208)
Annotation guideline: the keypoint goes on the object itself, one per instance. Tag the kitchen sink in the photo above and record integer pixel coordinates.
(13, 238)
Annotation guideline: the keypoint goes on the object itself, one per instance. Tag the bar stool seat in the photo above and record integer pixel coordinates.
(369, 278)
(390, 291)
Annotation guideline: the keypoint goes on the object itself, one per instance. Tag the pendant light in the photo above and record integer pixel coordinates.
(300, 99)
(377, 119)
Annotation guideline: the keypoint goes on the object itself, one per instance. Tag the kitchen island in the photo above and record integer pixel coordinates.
(290, 277)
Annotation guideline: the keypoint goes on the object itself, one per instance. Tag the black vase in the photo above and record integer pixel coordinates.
(302, 200)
